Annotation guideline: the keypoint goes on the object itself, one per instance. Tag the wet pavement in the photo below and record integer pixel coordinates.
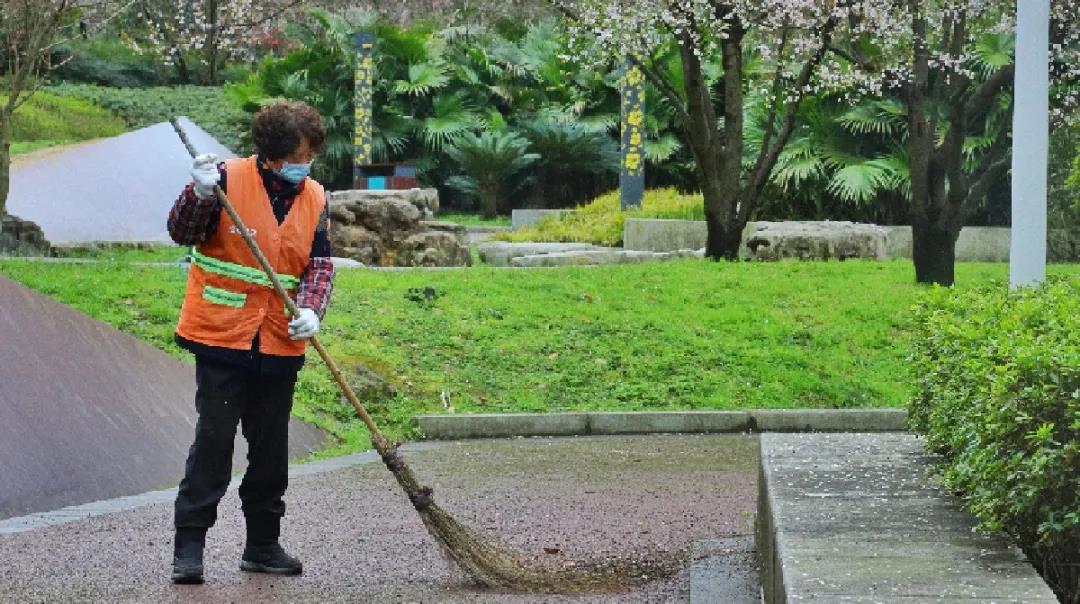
(583, 498)
(90, 413)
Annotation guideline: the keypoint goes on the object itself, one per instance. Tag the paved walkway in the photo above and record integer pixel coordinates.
(581, 498)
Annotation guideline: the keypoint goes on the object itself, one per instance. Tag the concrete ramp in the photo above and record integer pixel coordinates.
(90, 413)
(112, 189)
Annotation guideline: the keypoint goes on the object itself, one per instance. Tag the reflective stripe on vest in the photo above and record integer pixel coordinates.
(240, 271)
(224, 296)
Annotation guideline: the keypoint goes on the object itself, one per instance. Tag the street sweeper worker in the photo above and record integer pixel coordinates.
(247, 348)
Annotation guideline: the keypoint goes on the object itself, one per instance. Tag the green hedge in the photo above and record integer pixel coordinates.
(107, 61)
(998, 395)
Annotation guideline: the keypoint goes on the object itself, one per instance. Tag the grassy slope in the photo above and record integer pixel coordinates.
(207, 106)
(687, 335)
(47, 120)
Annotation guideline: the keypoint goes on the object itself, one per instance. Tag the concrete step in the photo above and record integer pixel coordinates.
(858, 518)
(500, 253)
(723, 570)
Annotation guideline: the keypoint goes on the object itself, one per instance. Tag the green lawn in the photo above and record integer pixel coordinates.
(684, 335)
(473, 219)
(123, 253)
(20, 147)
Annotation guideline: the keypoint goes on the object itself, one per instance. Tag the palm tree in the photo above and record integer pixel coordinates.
(854, 155)
(575, 161)
(491, 163)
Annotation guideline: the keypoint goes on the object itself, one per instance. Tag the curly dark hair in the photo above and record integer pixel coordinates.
(276, 129)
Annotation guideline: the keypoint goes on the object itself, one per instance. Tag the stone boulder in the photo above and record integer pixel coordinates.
(815, 241)
(391, 228)
(22, 237)
(426, 201)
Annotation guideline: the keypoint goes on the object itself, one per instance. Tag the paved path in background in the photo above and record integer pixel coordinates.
(591, 497)
(143, 171)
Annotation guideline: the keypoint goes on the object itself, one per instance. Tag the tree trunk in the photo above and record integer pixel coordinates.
(489, 197)
(724, 232)
(723, 241)
(934, 252)
(5, 160)
(212, 45)
(718, 153)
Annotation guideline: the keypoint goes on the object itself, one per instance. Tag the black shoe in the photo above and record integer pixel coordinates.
(269, 559)
(188, 556)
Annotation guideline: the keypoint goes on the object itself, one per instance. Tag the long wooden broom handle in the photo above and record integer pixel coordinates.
(377, 437)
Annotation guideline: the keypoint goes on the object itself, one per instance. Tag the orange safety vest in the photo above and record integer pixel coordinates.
(229, 298)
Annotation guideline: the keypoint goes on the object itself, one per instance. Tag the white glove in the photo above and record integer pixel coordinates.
(304, 326)
(205, 175)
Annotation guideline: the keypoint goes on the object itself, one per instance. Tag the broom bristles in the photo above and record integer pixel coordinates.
(498, 567)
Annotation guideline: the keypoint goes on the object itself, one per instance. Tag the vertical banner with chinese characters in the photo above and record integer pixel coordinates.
(632, 172)
(364, 42)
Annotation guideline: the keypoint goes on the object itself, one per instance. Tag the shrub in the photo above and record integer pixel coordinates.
(601, 222)
(998, 395)
(207, 106)
(107, 62)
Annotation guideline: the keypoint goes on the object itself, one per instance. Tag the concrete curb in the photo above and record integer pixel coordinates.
(72, 513)
(503, 425)
(766, 538)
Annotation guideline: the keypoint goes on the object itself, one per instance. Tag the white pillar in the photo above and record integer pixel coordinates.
(1031, 141)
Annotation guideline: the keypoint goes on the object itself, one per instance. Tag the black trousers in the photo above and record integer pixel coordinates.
(228, 394)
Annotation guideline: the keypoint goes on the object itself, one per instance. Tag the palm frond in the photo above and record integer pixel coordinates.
(662, 149)
(881, 117)
(453, 117)
(992, 51)
(424, 78)
(861, 182)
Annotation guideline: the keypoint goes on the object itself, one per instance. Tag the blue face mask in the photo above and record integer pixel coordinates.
(294, 173)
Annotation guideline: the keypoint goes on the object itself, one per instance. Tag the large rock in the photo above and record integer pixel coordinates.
(426, 201)
(22, 237)
(816, 241)
(391, 228)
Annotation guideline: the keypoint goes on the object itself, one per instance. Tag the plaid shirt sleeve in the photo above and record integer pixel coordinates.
(192, 220)
(318, 279)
